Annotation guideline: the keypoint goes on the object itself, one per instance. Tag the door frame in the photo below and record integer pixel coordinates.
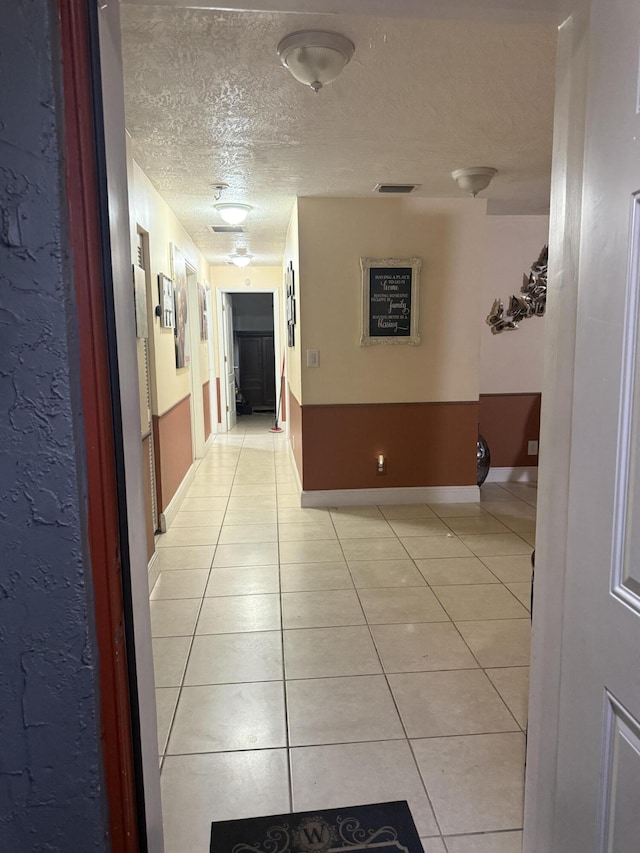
(214, 414)
(556, 425)
(556, 412)
(225, 401)
(237, 288)
(97, 63)
(198, 441)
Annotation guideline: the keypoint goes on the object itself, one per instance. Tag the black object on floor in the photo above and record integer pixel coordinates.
(483, 458)
(383, 826)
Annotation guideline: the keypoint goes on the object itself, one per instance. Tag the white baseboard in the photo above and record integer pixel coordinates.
(294, 465)
(513, 475)
(409, 495)
(167, 517)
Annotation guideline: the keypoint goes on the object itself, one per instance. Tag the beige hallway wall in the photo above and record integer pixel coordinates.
(171, 387)
(448, 235)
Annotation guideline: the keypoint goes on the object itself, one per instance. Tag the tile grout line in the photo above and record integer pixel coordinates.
(367, 623)
(393, 699)
(190, 649)
(284, 673)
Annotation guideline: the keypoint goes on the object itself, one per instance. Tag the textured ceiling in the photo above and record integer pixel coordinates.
(207, 101)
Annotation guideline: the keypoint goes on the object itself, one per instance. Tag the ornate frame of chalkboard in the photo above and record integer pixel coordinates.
(390, 301)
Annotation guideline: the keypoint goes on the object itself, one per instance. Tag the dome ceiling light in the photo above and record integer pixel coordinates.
(474, 179)
(240, 258)
(315, 57)
(233, 214)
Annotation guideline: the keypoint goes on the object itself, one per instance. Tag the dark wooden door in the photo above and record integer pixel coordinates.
(256, 363)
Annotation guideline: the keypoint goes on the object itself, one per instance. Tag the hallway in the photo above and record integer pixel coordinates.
(308, 658)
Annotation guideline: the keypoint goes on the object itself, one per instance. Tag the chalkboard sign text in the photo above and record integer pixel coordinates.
(390, 301)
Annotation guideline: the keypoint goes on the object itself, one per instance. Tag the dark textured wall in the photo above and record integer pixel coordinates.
(51, 792)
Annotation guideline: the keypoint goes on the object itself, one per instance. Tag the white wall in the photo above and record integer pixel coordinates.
(511, 363)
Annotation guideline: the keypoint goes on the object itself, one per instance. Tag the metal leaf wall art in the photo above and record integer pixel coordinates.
(530, 302)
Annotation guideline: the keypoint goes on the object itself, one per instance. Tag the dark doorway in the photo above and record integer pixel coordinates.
(255, 364)
(254, 350)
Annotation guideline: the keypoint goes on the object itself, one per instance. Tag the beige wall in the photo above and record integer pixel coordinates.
(448, 235)
(232, 277)
(511, 362)
(152, 213)
(294, 354)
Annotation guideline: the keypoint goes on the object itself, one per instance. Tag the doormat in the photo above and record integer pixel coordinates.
(383, 826)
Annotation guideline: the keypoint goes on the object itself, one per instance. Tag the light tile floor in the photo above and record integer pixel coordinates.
(314, 659)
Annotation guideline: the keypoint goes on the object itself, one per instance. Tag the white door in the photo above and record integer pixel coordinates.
(229, 371)
(597, 801)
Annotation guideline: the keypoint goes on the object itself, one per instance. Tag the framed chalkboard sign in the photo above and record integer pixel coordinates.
(390, 289)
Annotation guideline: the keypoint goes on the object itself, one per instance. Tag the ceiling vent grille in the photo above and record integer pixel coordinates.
(227, 229)
(398, 189)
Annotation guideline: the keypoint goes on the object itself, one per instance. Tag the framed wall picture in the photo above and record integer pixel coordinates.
(290, 288)
(390, 293)
(181, 329)
(165, 291)
(202, 304)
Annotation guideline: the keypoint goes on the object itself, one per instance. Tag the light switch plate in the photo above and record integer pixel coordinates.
(313, 358)
(532, 448)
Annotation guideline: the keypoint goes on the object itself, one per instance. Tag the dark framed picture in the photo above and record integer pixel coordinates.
(290, 287)
(165, 288)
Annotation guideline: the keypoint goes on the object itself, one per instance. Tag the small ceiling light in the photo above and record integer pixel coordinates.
(315, 57)
(240, 258)
(474, 179)
(234, 214)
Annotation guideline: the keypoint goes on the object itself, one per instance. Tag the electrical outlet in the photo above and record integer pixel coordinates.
(313, 358)
(532, 448)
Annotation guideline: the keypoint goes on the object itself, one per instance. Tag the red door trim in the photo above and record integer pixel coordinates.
(103, 527)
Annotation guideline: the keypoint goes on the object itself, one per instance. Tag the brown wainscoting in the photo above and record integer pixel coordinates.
(173, 450)
(425, 444)
(295, 429)
(148, 496)
(218, 403)
(508, 422)
(206, 404)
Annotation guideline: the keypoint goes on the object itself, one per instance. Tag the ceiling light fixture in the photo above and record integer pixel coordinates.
(234, 214)
(474, 179)
(315, 57)
(218, 189)
(240, 258)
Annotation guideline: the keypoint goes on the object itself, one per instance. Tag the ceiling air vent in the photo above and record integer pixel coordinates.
(227, 229)
(395, 188)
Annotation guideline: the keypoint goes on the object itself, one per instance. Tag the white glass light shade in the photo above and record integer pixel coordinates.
(474, 179)
(233, 214)
(315, 58)
(240, 259)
